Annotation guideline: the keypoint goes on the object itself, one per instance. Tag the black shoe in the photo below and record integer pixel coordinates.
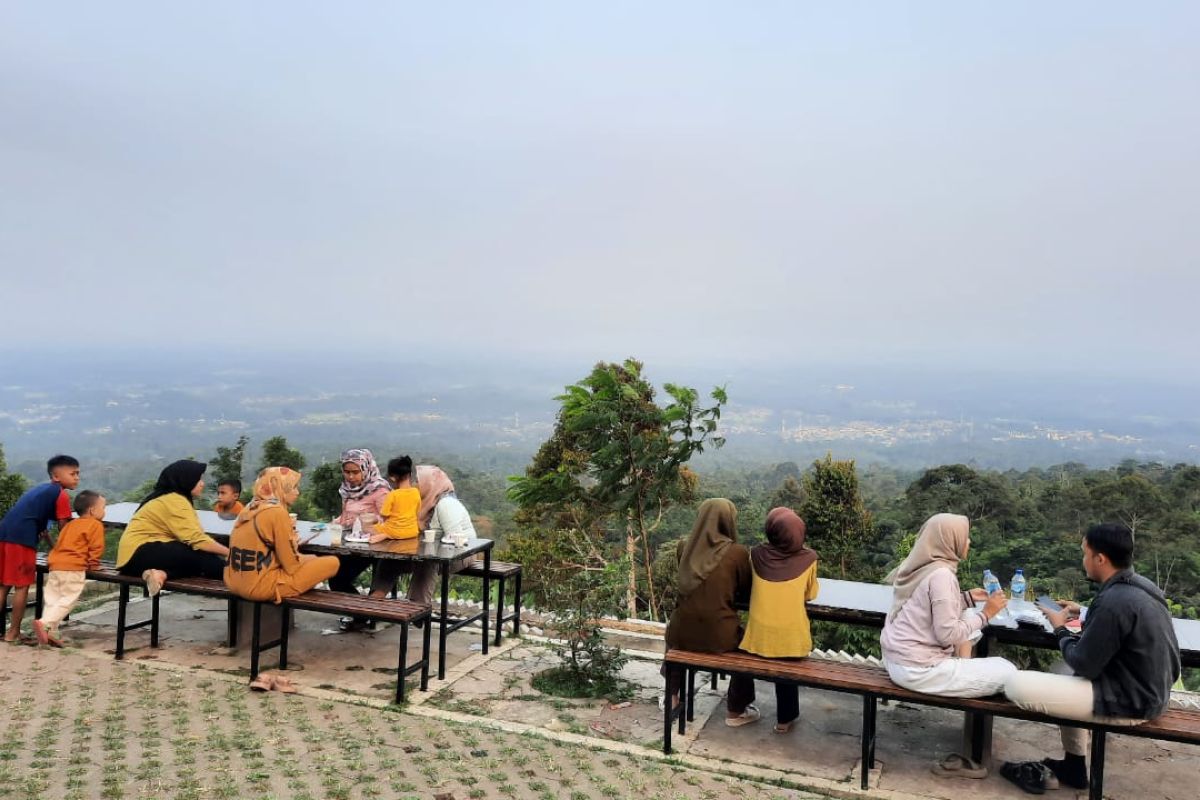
(352, 624)
(1029, 775)
(1069, 771)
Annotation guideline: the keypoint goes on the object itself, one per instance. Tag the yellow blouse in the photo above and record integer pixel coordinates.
(778, 625)
(170, 518)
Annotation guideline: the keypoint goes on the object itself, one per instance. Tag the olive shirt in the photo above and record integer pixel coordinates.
(169, 518)
(705, 620)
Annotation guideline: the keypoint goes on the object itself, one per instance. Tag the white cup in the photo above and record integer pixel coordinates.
(335, 534)
(431, 535)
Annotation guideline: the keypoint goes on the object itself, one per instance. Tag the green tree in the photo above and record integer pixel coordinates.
(277, 453)
(229, 463)
(839, 526)
(790, 494)
(323, 485)
(12, 486)
(615, 462)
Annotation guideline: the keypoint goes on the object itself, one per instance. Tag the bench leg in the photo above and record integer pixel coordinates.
(517, 605)
(154, 621)
(231, 617)
(285, 626)
(444, 625)
(687, 676)
(425, 653)
(668, 702)
(712, 680)
(400, 675)
(1096, 778)
(499, 610)
(868, 738)
(255, 637)
(122, 609)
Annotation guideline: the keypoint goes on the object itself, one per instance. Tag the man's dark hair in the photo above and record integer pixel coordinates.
(60, 461)
(1115, 541)
(232, 482)
(400, 468)
(84, 501)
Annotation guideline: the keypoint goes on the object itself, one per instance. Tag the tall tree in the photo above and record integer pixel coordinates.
(323, 485)
(229, 463)
(616, 461)
(277, 453)
(839, 527)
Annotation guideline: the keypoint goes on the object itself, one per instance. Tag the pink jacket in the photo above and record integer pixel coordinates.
(925, 630)
(352, 508)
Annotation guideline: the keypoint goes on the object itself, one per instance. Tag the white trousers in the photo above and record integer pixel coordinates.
(954, 677)
(1061, 694)
(62, 593)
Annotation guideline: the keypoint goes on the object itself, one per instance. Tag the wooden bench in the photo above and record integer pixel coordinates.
(873, 684)
(502, 571)
(400, 612)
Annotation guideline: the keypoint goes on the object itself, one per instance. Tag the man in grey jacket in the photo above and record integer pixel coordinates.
(1120, 669)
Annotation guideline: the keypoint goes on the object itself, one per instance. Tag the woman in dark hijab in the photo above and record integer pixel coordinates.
(785, 578)
(164, 538)
(713, 570)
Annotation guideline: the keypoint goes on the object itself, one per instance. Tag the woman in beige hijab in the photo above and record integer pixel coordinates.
(932, 621)
(713, 570)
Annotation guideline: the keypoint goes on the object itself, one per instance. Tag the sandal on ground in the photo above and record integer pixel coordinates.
(284, 684)
(263, 683)
(785, 727)
(1029, 775)
(745, 718)
(44, 636)
(957, 766)
(154, 578)
(352, 624)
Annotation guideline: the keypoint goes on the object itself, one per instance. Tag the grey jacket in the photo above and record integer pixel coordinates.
(1128, 648)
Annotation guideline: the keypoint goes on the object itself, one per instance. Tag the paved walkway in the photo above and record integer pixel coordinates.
(91, 727)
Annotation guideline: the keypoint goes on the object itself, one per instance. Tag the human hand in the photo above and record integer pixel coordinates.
(1071, 607)
(376, 538)
(996, 602)
(978, 595)
(1058, 619)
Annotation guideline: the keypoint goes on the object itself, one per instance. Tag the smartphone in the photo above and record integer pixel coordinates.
(1046, 601)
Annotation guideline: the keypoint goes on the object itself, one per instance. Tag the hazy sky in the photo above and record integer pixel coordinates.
(1009, 184)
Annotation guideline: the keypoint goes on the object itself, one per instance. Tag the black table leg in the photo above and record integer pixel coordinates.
(444, 626)
(1096, 778)
(487, 595)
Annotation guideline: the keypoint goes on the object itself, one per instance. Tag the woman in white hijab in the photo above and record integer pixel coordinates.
(933, 622)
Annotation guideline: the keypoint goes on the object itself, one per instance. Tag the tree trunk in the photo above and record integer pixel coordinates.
(631, 553)
(640, 523)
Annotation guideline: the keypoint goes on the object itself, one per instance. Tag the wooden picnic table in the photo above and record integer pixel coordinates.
(318, 542)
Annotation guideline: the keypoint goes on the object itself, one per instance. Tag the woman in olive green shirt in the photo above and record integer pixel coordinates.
(164, 538)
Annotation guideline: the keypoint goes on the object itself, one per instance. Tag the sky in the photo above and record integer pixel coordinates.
(988, 185)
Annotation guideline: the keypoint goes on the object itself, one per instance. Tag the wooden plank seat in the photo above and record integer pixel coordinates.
(873, 684)
(502, 571)
(400, 612)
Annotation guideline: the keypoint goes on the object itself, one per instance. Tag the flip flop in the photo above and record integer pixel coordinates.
(957, 766)
(154, 583)
(751, 714)
(263, 683)
(284, 684)
(44, 636)
(1028, 775)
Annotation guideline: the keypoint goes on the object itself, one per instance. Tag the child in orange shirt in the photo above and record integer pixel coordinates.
(228, 504)
(77, 550)
(400, 507)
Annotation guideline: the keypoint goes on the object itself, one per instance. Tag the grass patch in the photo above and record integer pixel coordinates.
(565, 682)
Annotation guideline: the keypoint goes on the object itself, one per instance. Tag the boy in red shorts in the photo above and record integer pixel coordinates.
(19, 531)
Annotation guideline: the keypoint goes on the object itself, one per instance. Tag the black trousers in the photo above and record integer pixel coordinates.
(349, 568)
(787, 702)
(741, 688)
(176, 559)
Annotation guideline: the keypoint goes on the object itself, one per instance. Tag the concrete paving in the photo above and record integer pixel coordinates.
(820, 755)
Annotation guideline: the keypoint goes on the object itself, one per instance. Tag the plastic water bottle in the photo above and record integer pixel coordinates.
(1017, 587)
(991, 584)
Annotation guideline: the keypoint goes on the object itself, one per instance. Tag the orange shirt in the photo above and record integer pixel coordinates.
(79, 546)
(233, 508)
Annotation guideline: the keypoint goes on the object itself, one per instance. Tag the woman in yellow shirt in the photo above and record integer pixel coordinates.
(164, 538)
(784, 579)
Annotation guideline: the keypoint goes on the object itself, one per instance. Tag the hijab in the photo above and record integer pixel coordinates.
(941, 544)
(177, 478)
(715, 530)
(270, 488)
(434, 484)
(372, 481)
(784, 556)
